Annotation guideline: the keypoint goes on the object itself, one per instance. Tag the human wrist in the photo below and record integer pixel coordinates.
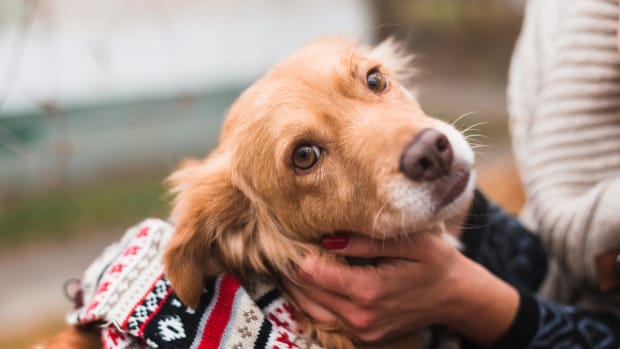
(482, 306)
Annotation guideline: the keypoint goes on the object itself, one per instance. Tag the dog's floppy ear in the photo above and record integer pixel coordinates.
(212, 220)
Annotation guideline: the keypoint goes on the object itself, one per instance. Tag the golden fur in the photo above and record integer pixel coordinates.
(245, 209)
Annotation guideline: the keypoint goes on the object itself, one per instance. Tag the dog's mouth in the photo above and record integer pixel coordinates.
(453, 187)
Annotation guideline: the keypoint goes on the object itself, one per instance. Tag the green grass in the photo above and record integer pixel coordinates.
(59, 214)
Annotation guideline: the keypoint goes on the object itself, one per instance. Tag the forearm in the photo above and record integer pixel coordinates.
(483, 306)
(490, 313)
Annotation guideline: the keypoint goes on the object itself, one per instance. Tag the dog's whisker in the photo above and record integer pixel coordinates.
(471, 127)
(376, 218)
(476, 145)
(406, 236)
(475, 141)
(384, 233)
(460, 117)
(477, 135)
(470, 130)
(473, 132)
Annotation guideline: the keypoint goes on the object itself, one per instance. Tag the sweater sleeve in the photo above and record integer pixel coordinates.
(566, 129)
(542, 324)
(501, 244)
(510, 251)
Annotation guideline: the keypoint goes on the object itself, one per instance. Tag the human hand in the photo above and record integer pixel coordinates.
(420, 280)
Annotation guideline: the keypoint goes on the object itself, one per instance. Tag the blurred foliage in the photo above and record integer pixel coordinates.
(70, 211)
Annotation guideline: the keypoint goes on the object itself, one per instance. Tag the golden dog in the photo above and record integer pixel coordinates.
(329, 140)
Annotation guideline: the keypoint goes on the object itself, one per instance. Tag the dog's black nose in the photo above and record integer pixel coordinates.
(427, 157)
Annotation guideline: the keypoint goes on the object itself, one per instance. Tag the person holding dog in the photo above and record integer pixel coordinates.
(564, 96)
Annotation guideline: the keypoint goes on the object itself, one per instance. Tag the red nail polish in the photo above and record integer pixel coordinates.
(335, 242)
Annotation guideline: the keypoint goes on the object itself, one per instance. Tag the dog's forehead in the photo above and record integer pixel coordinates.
(324, 79)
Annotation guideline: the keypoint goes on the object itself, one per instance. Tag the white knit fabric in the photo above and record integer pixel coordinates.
(564, 101)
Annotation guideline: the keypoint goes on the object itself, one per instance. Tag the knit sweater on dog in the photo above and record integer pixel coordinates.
(126, 292)
(564, 99)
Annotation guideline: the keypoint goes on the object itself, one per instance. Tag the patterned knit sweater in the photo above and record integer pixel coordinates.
(564, 100)
(126, 292)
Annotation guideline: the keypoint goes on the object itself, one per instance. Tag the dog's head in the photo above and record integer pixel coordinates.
(329, 140)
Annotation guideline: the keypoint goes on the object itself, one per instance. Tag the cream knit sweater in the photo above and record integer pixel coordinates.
(564, 101)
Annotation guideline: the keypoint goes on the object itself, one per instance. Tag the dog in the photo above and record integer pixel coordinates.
(331, 139)
(327, 141)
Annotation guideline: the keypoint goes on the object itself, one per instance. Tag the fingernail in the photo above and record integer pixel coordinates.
(335, 242)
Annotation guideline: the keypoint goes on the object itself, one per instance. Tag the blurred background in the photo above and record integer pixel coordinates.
(99, 100)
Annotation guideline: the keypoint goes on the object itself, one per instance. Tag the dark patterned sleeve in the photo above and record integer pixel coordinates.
(502, 245)
(542, 324)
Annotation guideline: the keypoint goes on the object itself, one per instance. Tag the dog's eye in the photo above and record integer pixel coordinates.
(305, 156)
(376, 81)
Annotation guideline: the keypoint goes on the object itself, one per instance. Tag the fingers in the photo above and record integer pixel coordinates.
(413, 247)
(404, 259)
(361, 285)
(315, 310)
(328, 273)
(343, 314)
(369, 301)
